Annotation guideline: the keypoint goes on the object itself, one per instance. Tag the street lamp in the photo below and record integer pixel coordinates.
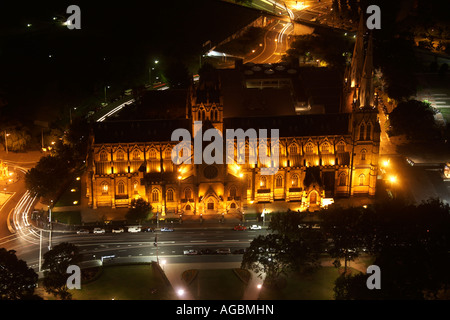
(106, 87)
(6, 141)
(150, 71)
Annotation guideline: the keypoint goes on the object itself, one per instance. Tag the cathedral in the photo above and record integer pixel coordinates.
(322, 156)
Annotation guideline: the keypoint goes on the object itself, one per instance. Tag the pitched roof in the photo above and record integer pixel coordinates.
(138, 130)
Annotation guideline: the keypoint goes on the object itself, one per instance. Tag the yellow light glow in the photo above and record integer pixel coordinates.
(393, 179)
(180, 177)
(75, 202)
(73, 190)
(385, 163)
(78, 178)
(241, 175)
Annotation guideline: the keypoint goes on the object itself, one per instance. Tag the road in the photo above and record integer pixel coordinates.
(125, 245)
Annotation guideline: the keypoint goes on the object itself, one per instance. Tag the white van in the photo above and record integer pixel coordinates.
(134, 229)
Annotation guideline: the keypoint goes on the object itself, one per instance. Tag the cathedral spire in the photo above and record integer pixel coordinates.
(367, 91)
(358, 54)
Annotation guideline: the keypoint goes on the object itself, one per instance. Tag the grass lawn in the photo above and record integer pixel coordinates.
(67, 217)
(217, 284)
(316, 286)
(131, 282)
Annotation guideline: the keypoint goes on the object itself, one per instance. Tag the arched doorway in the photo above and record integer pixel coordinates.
(313, 198)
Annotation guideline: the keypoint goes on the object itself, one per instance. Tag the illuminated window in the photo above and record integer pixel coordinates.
(187, 208)
(103, 156)
(341, 147)
(279, 181)
(233, 206)
(309, 148)
(263, 182)
(211, 205)
(363, 154)
(152, 154)
(120, 155)
(120, 188)
(136, 155)
(325, 147)
(187, 193)
(168, 153)
(170, 195)
(155, 195)
(294, 180)
(362, 178)
(135, 187)
(104, 187)
(342, 179)
(293, 149)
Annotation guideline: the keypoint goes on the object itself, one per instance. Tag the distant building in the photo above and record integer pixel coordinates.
(322, 156)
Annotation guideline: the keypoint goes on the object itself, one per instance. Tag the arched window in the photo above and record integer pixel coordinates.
(368, 130)
(233, 192)
(343, 179)
(362, 132)
(233, 206)
(187, 208)
(120, 155)
(210, 205)
(135, 186)
(362, 179)
(279, 181)
(341, 147)
(121, 187)
(263, 182)
(325, 147)
(170, 195)
(294, 180)
(105, 187)
(309, 148)
(363, 154)
(152, 154)
(103, 156)
(168, 153)
(276, 150)
(136, 155)
(293, 149)
(155, 195)
(187, 193)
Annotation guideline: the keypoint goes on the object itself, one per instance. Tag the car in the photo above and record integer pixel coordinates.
(99, 230)
(166, 229)
(190, 252)
(82, 231)
(223, 251)
(148, 229)
(134, 229)
(207, 251)
(255, 227)
(240, 228)
(117, 230)
(239, 251)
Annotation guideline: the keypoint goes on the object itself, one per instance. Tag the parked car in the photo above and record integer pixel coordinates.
(82, 231)
(134, 229)
(223, 251)
(255, 227)
(207, 251)
(190, 252)
(99, 230)
(239, 251)
(117, 230)
(148, 229)
(240, 228)
(166, 229)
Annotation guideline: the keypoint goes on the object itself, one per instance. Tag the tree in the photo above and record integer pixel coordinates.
(56, 262)
(17, 280)
(415, 119)
(349, 229)
(267, 256)
(177, 75)
(46, 178)
(139, 210)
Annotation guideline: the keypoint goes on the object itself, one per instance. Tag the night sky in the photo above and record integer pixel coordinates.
(46, 68)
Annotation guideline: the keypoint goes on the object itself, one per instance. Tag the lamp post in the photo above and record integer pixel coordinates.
(50, 229)
(6, 141)
(106, 87)
(150, 71)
